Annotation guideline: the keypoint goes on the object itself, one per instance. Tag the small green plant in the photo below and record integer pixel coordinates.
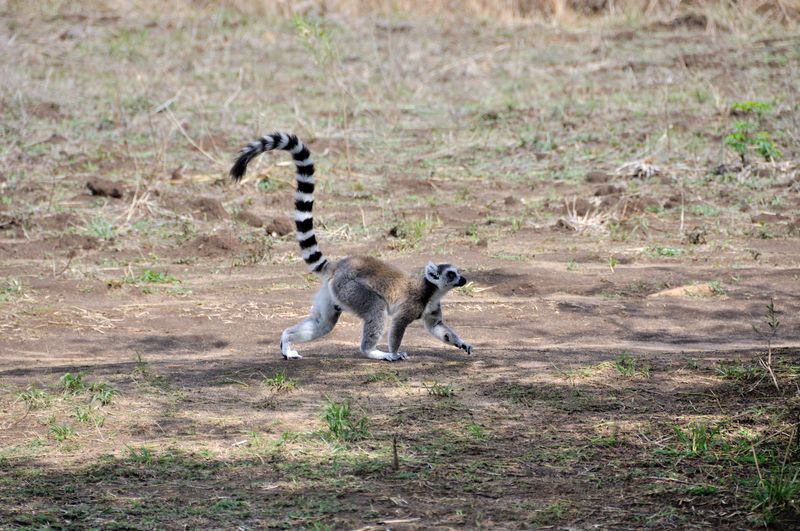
(12, 288)
(268, 185)
(745, 137)
(705, 210)
(61, 432)
(758, 108)
(414, 230)
(102, 393)
(148, 276)
(473, 234)
(626, 365)
(317, 37)
(280, 383)
(439, 390)
(735, 371)
(610, 441)
(141, 455)
(343, 424)
(83, 413)
(551, 513)
(657, 250)
(775, 494)
(35, 398)
(86, 414)
(257, 444)
(572, 265)
(717, 288)
(99, 227)
(72, 383)
(386, 376)
(142, 368)
(772, 322)
(702, 490)
(697, 438)
(478, 432)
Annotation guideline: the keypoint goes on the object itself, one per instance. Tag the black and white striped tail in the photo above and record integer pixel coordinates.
(303, 197)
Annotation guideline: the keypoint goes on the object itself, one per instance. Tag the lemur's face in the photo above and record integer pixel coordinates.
(444, 276)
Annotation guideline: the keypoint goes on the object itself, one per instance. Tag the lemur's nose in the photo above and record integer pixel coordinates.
(461, 281)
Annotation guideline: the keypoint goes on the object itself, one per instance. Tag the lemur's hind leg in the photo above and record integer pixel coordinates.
(361, 299)
(374, 325)
(324, 315)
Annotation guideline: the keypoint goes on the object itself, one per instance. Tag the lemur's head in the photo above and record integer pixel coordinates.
(444, 276)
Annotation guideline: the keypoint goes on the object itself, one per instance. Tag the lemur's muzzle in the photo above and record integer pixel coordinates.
(461, 281)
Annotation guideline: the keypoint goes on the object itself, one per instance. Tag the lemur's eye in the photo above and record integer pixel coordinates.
(451, 276)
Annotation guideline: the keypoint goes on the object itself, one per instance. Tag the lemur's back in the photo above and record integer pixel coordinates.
(389, 282)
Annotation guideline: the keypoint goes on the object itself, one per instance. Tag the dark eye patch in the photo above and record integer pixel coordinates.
(451, 276)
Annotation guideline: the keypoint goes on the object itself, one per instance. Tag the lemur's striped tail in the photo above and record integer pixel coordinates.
(303, 197)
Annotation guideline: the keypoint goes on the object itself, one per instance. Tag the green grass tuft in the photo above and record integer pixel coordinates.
(343, 424)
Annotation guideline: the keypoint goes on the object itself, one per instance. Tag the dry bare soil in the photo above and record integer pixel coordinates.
(620, 253)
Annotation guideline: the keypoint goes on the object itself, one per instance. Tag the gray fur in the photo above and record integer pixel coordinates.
(324, 316)
(347, 290)
(436, 327)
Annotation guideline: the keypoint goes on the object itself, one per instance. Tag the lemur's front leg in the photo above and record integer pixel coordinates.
(435, 325)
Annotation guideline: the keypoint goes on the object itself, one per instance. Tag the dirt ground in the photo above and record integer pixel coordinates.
(621, 258)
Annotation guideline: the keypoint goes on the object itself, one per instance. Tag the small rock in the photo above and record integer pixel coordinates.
(765, 172)
(280, 227)
(767, 217)
(691, 290)
(724, 169)
(511, 201)
(697, 236)
(580, 207)
(104, 188)
(673, 201)
(564, 225)
(246, 216)
(689, 20)
(209, 208)
(211, 245)
(598, 177)
(608, 189)
(640, 204)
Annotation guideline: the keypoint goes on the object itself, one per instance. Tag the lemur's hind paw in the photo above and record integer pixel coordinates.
(386, 356)
(289, 353)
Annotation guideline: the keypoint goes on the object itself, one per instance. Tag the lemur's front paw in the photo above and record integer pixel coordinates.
(466, 347)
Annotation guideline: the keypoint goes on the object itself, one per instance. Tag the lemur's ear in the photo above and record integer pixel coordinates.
(432, 271)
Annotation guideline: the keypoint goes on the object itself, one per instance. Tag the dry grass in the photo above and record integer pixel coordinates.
(720, 13)
(715, 14)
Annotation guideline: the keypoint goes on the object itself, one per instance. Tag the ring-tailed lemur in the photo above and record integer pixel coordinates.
(362, 285)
